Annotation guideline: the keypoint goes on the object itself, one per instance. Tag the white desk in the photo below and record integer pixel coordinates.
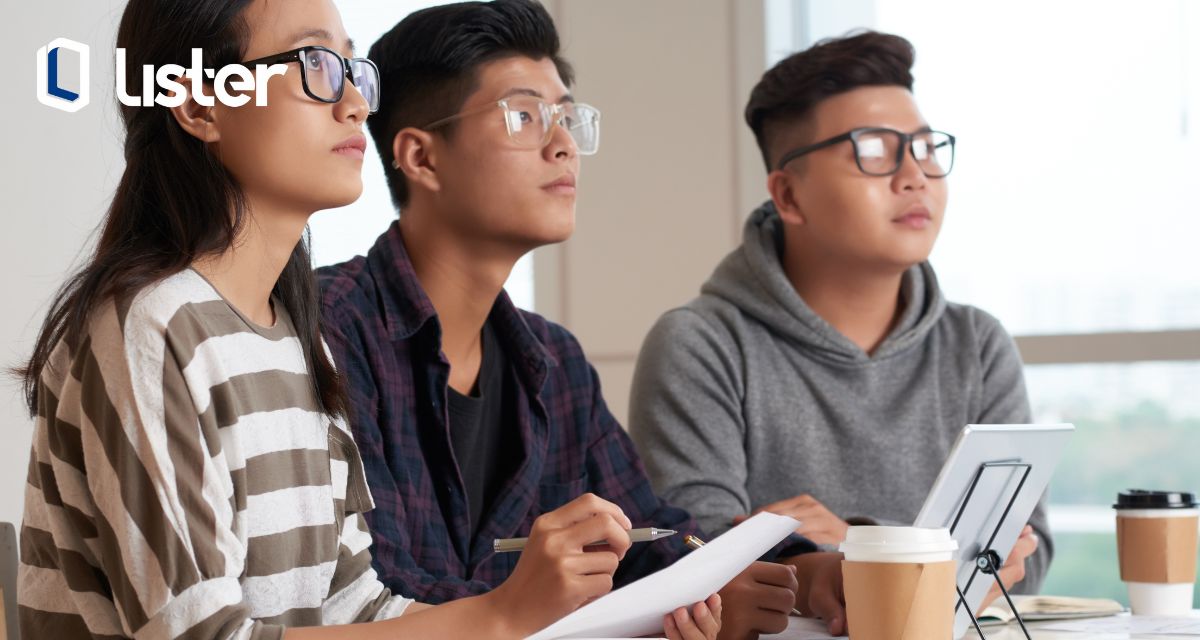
(807, 629)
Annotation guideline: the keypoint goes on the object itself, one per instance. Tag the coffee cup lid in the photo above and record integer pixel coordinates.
(1144, 499)
(878, 539)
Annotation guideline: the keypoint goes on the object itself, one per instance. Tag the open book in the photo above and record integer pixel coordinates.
(1049, 608)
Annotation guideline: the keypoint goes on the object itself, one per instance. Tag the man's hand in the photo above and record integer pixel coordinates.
(817, 523)
(758, 600)
(1013, 570)
(556, 573)
(821, 593)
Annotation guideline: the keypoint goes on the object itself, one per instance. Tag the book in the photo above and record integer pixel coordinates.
(1035, 608)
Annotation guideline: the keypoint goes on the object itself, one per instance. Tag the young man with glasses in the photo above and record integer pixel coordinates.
(821, 373)
(474, 417)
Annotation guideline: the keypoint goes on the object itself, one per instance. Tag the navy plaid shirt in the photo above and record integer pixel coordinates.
(386, 340)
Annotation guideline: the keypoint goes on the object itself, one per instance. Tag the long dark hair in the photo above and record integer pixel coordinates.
(175, 202)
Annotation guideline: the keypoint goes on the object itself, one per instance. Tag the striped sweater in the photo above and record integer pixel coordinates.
(183, 482)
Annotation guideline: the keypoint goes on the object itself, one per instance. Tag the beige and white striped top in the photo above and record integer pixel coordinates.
(183, 483)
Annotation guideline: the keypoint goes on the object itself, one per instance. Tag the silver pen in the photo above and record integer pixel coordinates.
(696, 543)
(649, 534)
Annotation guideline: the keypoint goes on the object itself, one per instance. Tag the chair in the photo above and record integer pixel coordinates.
(8, 582)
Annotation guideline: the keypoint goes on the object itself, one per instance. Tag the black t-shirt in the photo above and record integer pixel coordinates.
(484, 444)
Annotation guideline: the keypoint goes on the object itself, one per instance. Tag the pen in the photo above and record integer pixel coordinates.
(696, 543)
(649, 534)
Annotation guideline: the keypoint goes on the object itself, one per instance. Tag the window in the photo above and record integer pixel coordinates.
(1138, 427)
(1071, 220)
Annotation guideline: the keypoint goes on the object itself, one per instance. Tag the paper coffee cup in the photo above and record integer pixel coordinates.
(899, 583)
(1157, 535)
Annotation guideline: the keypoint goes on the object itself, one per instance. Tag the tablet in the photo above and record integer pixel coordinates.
(1019, 459)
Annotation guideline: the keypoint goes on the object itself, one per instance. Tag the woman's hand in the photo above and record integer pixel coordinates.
(703, 623)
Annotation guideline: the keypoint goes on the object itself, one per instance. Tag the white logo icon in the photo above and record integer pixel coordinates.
(49, 92)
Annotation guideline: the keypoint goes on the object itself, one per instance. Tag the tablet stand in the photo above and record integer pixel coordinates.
(988, 561)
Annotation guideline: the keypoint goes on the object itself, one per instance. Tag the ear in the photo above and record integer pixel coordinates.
(782, 187)
(196, 119)
(414, 152)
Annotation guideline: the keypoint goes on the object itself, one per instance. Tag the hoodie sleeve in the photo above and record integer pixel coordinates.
(1005, 401)
(685, 417)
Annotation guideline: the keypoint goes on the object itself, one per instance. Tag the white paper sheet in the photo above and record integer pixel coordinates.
(804, 629)
(1133, 625)
(638, 608)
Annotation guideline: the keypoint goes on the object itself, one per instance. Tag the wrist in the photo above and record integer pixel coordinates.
(502, 615)
(809, 569)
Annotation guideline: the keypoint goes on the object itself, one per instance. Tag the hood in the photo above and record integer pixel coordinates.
(752, 279)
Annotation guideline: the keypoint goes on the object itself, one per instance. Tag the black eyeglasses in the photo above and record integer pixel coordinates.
(323, 73)
(880, 152)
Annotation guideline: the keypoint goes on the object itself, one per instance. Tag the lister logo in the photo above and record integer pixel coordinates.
(173, 79)
(169, 77)
(50, 91)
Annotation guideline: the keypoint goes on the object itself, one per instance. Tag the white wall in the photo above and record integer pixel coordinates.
(57, 174)
(677, 171)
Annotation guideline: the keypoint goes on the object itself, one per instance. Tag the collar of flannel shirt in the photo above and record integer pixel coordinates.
(407, 310)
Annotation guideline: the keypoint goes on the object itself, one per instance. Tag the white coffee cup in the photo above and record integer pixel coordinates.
(1160, 599)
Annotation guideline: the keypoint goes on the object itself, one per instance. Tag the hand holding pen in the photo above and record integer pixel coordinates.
(559, 570)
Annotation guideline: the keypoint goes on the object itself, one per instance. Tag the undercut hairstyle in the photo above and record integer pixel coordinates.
(790, 90)
(429, 65)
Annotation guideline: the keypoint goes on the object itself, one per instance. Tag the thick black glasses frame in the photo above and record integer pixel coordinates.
(297, 55)
(906, 140)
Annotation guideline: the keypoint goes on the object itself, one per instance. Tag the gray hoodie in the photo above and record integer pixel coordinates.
(745, 396)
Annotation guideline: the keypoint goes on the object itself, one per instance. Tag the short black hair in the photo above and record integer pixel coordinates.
(790, 90)
(428, 65)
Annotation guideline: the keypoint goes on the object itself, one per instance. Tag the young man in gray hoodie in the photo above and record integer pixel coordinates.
(821, 373)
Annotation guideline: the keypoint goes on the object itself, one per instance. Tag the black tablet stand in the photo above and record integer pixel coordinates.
(988, 561)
